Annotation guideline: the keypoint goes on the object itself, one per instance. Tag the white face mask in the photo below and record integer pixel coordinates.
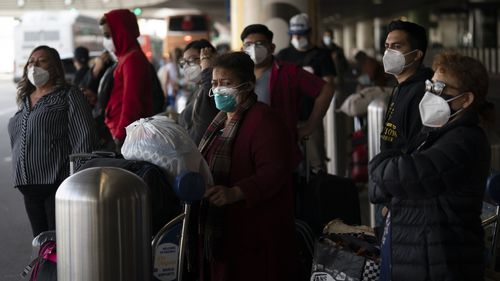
(38, 76)
(109, 45)
(435, 111)
(257, 53)
(224, 91)
(193, 73)
(300, 44)
(327, 40)
(394, 61)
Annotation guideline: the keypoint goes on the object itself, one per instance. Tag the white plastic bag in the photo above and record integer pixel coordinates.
(159, 140)
(357, 103)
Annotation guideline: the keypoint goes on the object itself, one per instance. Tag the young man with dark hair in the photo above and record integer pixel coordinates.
(283, 85)
(405, 48)
(405, 45)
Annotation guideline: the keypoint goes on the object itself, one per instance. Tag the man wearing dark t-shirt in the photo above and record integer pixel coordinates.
(317, 61)
(314, 60)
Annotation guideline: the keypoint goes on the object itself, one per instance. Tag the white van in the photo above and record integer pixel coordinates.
(62, 30)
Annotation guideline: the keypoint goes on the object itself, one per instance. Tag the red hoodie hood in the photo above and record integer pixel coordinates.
(124, 30)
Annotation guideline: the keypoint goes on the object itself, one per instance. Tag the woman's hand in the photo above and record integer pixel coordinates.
(221, 195)
(206, 56)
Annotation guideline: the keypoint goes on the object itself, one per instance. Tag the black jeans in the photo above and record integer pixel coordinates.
(39, 201)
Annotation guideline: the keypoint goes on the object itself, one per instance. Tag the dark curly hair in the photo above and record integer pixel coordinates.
(56, 71)
(417, 36)
(238, 63)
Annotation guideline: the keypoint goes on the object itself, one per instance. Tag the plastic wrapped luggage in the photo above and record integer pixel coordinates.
(161, 141)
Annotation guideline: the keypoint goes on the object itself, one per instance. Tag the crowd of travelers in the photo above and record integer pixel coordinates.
(247, 111)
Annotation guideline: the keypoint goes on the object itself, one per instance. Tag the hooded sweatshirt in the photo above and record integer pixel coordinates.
(131, 97)
(402, 119)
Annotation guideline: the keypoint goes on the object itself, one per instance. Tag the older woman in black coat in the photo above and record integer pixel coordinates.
(436, 188)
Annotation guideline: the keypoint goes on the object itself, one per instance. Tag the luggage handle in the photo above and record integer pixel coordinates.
(104, 153)
(98, 153)
(307, 168)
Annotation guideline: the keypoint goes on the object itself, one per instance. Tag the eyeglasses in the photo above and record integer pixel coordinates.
(189, 62)
(256, 43)
(435, 87)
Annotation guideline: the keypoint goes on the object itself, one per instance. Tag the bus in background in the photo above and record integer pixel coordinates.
(182, 29)
(62, 30)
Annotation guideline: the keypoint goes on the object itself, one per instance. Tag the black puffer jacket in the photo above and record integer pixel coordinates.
(436, 196)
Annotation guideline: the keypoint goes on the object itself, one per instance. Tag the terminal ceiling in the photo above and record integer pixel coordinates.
(330, 11)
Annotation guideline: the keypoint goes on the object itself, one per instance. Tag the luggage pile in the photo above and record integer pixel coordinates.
(346, 253)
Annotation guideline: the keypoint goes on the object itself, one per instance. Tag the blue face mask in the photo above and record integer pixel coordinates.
(226, 103)
(225, 97)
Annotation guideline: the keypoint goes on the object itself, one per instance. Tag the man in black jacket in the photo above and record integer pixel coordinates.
(405, 46)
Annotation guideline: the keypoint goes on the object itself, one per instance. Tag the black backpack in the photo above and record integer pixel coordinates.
(106, 86)
(156, 89)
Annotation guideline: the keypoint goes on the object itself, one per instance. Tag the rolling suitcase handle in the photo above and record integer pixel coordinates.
(73, 158)
(189, 187)
(306, 165)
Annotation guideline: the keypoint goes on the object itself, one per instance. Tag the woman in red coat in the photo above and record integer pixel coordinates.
(247, 216)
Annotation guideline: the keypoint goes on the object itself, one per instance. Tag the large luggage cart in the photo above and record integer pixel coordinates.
(169, 242)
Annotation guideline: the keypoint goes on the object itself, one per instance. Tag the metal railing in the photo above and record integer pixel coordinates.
(376, 113)
(489, 57)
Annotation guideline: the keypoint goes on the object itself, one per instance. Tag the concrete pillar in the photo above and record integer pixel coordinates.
(275, 14)
(338, 37)
(378, 37)
(420, 16)
(365, 37)
(349, 39)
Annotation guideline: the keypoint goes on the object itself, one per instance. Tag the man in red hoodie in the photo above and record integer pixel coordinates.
(130, 97)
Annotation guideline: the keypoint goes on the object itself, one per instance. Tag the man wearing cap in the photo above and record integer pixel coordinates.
(283, 85)
(314, 60)
(304, 53)
(130, 97)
